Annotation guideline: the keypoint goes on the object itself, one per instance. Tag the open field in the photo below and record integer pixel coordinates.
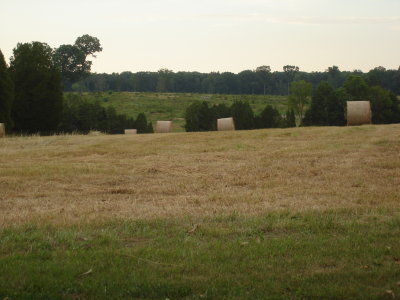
(172, 106)
(283, 213)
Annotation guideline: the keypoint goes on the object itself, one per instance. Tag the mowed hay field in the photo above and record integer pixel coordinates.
(281, 213)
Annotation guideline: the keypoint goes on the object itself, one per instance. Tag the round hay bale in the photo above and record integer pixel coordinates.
(2, 130)
(130, 131)
(163, 126)
(225, 124)
(358, 113)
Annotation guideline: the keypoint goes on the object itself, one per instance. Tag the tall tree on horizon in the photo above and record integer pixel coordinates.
(263, 73)
(72, 59)
(290, 72)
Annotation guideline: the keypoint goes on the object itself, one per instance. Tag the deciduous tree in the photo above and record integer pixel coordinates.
(299, 97)
(72, 59)
(290, 72)
(263, 73)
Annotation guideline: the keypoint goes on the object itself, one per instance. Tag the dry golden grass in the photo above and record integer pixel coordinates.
(68, 179)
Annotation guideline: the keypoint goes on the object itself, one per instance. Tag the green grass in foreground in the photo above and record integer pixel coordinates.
(172, 106)
(332, 255)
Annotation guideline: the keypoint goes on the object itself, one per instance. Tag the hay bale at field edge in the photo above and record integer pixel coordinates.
(359, 113)
(225, 124)
(2, 130)
(163, 126)
(130, 131)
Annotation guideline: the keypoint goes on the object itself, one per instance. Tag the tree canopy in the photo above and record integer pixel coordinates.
(72, 59)
(245, 82)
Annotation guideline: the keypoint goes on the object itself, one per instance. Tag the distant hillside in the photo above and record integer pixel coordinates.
(172, 106)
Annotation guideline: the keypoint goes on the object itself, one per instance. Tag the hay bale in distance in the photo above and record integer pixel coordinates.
(163, 126)
(2, 130)
(225, 124)
(130, 131)
(358, 113)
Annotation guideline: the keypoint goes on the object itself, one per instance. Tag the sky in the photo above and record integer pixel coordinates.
(214, 35)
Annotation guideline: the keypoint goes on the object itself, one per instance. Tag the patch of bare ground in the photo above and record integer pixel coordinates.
(74, 178)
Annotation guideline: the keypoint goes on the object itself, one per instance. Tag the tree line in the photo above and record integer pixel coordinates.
(200, 116)
(31, 92)
(322, 106)
(259, 81)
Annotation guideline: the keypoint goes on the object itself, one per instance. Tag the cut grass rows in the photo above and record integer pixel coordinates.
(299, 213)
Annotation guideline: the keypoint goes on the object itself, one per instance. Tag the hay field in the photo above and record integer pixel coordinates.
(64, 179)
(302, 213)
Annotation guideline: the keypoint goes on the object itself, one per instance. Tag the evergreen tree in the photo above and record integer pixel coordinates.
(318, 112)
(38, 93)
(269, 118)
(221, 111)
(381, 105)
(357, 88)
(6, 93)
(150, 127)
(243, 115)
(395, 108)
(199, 117)
(336, 107)
(327, 107)
(82, 115)
(141, 123)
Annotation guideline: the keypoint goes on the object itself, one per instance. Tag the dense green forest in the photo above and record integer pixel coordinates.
(259, 81)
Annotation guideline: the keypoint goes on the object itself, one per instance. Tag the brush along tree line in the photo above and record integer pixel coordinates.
(202, 117)
(326, 108)
(31, 97)
(328, 105)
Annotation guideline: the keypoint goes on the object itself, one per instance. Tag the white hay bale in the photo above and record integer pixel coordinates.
(2, 130)
(225, 124)
(163, 126)
(358, 113)
(130, 131)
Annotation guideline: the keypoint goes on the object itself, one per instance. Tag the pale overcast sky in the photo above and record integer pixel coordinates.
(214, 35)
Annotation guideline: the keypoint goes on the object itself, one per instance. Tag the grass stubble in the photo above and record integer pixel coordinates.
(283, 213)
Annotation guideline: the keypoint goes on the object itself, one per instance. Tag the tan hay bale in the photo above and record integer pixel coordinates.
(358, 113)
(130, 131)
(2, 130)
(163, 126)
(225, 124)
